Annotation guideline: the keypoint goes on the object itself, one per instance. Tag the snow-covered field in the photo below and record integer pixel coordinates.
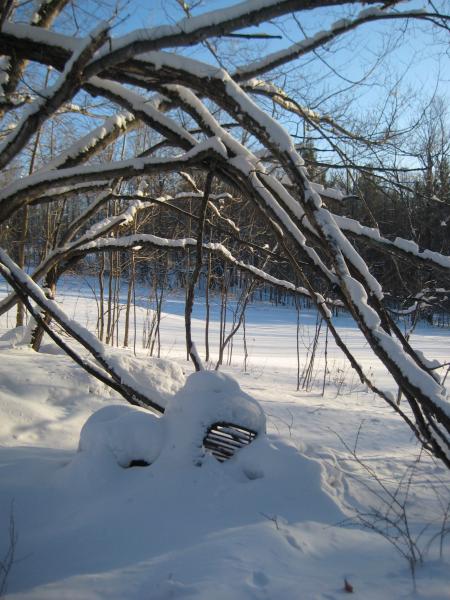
(283, 519)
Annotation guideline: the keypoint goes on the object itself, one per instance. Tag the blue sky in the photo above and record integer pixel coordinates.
(415, 64)
(417, 56)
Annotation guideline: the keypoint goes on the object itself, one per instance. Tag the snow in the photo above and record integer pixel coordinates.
(308, 44)
(85, 143)
(37, 108)
(205, 116)
(275, 137)
(407, 245)
(281, 56)
(90, 172)
(422, 381)
(347, 224)
(264, 524)
(121, 434)
(225, 19)
(4, 63)
(208, 397)
(140, 105)
(273, 130)
(40, 35)
(332, 193)
(158, 378)
(334, 234)
(246, 167)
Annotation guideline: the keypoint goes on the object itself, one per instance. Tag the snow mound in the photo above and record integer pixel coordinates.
(126, 433)
(51, 348)
(21, 336)
(208, 397)
(11, 336)
(156, 378)
(17, 336)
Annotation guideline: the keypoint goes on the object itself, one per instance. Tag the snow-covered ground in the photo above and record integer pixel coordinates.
(282, 519)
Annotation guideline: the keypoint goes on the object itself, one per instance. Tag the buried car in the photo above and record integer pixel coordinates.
(210, 414)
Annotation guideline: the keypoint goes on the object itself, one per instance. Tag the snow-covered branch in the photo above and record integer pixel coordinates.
(13, 66)
(24, 191)
(26, 287)
(52, 98)
(92, 143)
(320, 39)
